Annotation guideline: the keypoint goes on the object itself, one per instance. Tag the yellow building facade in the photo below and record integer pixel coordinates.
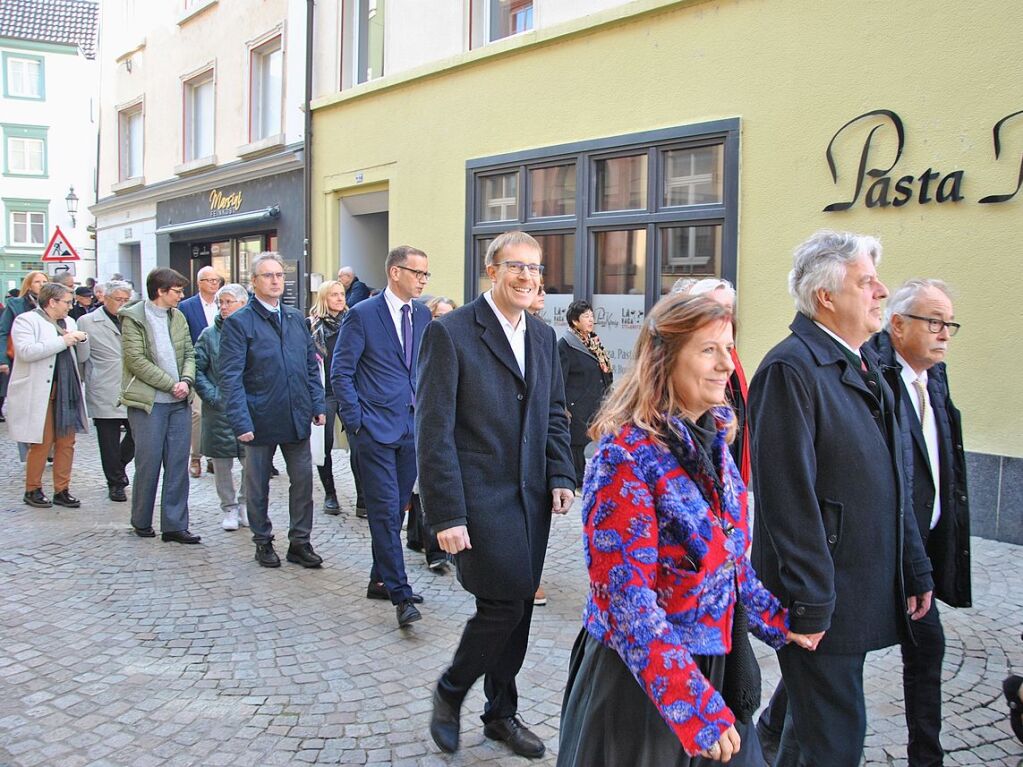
(661, 139)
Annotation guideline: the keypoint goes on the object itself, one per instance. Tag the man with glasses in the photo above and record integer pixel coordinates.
(200, 310)
(918, 325)
(157, 380)
(270, 382)
(493, 444)
(100, 358)
(373, 373)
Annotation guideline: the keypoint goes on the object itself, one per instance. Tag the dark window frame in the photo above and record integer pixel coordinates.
(586, 221)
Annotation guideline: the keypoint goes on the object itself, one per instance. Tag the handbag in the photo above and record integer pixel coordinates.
(741, 687)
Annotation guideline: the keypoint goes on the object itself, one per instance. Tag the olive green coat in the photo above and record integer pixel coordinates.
(142, 377)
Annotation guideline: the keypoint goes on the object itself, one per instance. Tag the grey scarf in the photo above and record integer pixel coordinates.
(67, 411)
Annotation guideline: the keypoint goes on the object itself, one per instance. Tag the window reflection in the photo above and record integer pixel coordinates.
(621, 183)
(689, 251)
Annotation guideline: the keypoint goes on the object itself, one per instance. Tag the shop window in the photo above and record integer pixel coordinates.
(496, 19)
(130, 132)
(619, 219)
(24, 150)
(199, 116)
(26, 222)
(362, 23)
(266, 90)
(24, 77)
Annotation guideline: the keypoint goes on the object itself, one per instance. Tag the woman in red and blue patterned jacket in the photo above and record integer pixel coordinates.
(665, 535)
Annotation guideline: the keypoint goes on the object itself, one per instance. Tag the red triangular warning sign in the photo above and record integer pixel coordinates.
(59, 248)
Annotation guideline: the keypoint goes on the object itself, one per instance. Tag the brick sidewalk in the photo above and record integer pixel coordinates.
(124, 651)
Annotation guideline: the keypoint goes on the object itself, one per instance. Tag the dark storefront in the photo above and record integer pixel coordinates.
(227, 226)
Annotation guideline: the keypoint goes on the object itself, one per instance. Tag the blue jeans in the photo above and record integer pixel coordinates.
(162, 439)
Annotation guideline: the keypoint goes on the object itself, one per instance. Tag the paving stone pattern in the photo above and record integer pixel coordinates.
(118, 650)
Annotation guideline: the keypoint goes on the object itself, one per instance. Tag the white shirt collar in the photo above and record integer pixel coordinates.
(393, 302)
(270, 308)
(837, 338)
(908, 374)
(504, 320)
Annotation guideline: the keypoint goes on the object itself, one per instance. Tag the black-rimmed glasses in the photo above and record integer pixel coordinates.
(419, 273)
(935, 325)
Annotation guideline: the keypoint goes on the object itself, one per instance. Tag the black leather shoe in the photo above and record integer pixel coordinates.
(117, 494)
(38, 499)
(144, 532)
(331, 506)
(513, 732)
(273, 471)
(64, 498)
(1010, 688)
(303, 554)
(180, 536)
(360, 511)
(379, 591)
(407, 613)
(445, 723)
(266, 556)
(439, 565)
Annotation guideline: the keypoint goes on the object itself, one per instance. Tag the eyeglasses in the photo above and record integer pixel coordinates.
(935, 325)
(517, 267)
(124, 300)
(271, 275)
(179, 291)
(209, 279)
(419, 273)
(68, 301)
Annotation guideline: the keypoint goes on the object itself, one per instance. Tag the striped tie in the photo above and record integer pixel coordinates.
(921, 393)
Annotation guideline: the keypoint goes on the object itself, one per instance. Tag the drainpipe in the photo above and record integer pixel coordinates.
(308, 137)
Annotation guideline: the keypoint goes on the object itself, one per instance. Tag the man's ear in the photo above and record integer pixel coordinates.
(824, 299)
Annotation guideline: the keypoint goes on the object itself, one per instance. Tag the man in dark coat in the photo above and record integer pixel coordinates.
(373, 375)
(912, 349)
(355, 289)
(831, 539)
(493, 449)
(270, 382)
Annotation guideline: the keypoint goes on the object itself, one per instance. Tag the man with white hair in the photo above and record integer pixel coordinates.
(101, 361)
(830, 538)
(919, 323)
(355, 289)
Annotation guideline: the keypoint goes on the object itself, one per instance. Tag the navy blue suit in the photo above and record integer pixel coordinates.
(375, 392)
(192, 309)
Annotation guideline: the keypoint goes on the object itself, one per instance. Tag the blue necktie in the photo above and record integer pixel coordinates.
(406, 334)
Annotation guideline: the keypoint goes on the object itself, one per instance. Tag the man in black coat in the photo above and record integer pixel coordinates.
(912, 350)
(494, 463)
(355, 289)
(831, 539)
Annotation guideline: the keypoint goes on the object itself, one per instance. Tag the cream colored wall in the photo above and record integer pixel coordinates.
(420, 31)
(171, 50)
(793, 77)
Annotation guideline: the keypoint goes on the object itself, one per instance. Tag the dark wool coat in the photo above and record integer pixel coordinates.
(585, 384)
(491, 446)
(269, 377)
(217, 440)
(830, 536)
(948, 544)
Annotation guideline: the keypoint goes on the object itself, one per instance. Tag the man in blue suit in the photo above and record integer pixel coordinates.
(270, 381)
(373, 373)
(200, 310)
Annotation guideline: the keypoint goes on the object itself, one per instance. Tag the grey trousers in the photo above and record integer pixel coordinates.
(258, 460)
(225, 483)
(161, 442)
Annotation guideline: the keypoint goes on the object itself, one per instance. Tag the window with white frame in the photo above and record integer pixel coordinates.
(363, 46)
(266, 89)
(130, 137)
(24, 150)
(23, 77)
(199, 116)
(496, 19)
(28, 227)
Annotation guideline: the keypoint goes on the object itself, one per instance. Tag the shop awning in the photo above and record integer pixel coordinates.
(217, 222)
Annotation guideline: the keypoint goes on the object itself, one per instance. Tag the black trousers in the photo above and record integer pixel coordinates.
(115, 453)
(921, 683)
(826, 721)
(493, 646)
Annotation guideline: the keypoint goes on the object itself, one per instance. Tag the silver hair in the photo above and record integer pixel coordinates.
(709, 285)
(683, 285)
(267, 255)
(345, 270)
(905, 296)
(820, 263)
(232, 289)
(110, 286)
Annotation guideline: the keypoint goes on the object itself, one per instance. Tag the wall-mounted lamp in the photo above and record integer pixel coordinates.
(72, 205)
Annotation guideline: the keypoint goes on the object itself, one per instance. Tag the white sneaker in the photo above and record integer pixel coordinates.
(243, 516)
(230, 521)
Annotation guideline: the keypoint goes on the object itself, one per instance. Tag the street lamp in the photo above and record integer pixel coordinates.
(72, 205)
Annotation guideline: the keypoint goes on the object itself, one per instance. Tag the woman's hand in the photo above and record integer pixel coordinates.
(726, 747)
(806, 641)
(74, 337)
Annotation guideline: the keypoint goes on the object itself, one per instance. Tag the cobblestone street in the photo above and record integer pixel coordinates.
(126, 651)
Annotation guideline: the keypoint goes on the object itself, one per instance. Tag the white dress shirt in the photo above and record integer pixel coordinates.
(930, 430)
(516, 334)
(840, 340)
(209, 309)
(394, 305)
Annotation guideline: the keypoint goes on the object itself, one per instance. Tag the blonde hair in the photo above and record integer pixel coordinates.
(319, 307)
(645, 395)
(436, 301)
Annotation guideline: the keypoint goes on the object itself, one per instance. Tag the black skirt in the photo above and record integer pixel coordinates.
(607, 720)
